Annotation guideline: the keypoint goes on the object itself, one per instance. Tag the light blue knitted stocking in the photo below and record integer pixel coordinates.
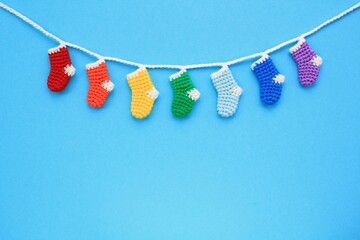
(228, 91)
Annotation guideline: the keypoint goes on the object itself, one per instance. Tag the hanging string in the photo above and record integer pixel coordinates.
(169, 66)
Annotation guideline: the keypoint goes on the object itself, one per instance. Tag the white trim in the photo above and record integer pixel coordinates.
(194, 94)
(237, 91)
(260, 60)
(297, 45)
(95, 64)
(279, 78)
(153, 93)
(316, 60)
(178, 74)
(70, 70)
(218, 73)
(135, 73)
(108, 85)
(56, 49)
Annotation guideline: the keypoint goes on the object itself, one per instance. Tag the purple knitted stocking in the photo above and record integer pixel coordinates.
(308, 62)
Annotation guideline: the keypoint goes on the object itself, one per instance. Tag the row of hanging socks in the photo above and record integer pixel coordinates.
(144, 92)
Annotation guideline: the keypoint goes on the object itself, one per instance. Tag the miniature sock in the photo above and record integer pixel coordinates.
(270, 79)
(100, 84)
(61, 69)
(185, 94)
(308, 62)
(143, 93)
(228, 91)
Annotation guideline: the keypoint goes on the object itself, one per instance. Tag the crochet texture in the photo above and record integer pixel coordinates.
(228, 92)
(61, 68)
(270, 79)
(143, 93)
(100, 84)
(308, 62)
(185, 94)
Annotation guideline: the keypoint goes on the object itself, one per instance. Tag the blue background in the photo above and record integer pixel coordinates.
(68, 171)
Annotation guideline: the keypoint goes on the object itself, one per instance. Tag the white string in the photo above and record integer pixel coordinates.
(169, 66)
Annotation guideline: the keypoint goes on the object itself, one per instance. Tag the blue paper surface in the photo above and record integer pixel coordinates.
(290, 171)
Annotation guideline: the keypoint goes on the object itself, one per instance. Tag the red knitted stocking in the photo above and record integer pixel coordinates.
(61, 69)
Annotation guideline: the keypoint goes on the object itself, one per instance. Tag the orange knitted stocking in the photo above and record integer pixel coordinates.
(100, 84)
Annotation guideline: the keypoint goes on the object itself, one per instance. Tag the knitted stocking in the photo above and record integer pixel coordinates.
(100, 84)
(61, 69)
(228, 92)
(270, 79)
(308, 62)
(185, 94)
(143, 93)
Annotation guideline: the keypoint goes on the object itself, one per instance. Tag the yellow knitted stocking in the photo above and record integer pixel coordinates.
(143, 93)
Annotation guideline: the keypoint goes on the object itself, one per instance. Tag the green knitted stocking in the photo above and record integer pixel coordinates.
(185, 94)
